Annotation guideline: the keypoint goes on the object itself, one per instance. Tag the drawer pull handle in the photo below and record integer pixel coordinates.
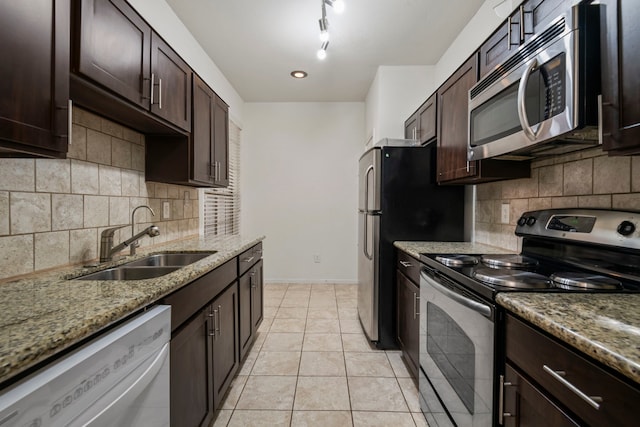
(248, 259)
(405, 264)
(594, 401)
(501, 413)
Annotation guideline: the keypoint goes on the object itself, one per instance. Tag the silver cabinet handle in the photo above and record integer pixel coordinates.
(219, 311)
(153, 76)
(522, 108)
(521, 23)
(416, 298)
(160, 94)
(501, 413)
(212, 314)
(219, 169)
(594, 401)
(248, 259)
(405, 264)
(509, 24)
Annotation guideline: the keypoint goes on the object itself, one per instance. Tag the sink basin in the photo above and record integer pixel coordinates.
(170, 259)
(129, 273)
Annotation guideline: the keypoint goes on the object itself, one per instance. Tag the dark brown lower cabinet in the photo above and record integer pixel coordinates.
(225, 341)
(408, 322)
(191, 373)
(251, 303)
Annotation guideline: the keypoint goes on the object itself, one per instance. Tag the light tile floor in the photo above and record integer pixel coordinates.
(311, 365)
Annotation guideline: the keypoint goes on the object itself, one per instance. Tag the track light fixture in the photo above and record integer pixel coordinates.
(338, 6)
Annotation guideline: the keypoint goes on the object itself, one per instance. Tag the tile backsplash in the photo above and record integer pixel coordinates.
(586, 179)
(53, 211)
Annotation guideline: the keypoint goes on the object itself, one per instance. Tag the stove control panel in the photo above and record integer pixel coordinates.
(605, 227)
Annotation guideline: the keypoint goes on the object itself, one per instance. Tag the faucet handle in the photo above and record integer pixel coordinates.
(109, 232)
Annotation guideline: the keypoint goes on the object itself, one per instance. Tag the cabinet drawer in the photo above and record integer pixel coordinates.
(409, 266)
(557, 368)
(186, 301)
(249, 258)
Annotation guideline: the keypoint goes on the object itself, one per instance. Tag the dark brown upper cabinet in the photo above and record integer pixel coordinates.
(34, 78)
(117, 50)
(411, 126)
(620, 67)
(422, 124)
(453, 111)
(200, 159)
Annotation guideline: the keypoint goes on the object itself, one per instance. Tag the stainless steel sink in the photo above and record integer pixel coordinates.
(170, 259)
(129, 273)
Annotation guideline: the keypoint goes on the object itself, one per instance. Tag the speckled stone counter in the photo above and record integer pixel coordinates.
(416, 248)
(603, 326)
(47, 313)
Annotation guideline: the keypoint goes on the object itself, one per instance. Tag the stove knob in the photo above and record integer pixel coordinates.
(626, 228)
(522, 221)
(531, 220)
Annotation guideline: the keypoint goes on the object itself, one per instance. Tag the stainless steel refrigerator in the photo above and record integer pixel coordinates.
(399, 200)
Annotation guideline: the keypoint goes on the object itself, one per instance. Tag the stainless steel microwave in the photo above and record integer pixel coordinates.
(543, 99)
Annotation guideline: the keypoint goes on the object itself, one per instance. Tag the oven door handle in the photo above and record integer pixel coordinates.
(476, 306)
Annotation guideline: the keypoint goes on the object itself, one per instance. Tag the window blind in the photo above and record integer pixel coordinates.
(221, 206)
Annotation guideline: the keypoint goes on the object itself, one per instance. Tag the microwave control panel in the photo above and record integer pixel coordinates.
(552, 79)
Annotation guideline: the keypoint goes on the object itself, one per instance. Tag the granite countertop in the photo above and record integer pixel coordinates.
(46, 313)
(603, 326)
(416, 248)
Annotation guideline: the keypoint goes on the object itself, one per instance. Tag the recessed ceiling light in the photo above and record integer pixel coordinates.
(298, 74)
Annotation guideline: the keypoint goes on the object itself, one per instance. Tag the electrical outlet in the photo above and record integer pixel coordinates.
(506, 208)
(166, 210)
(316, 258)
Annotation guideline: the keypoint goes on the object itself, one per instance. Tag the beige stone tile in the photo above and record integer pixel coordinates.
(235, 389)
(626, 201)
(277, 363)
(323, 302)
(86, 119)
(289, 301)
(160, 190)
(410, 392)
(489, 191)
(419, 419)
(601, 201)
(138, 157)
(322, 364)
(516, 208)
(98, 147)
(347, 303)
(132, 136)
(85, 178)
(397, 364)
(16, 255)
(521, 188)
(4, 213)
(356, 343)
(291, 313)
(368, 364)
(348, 313)
(96, 211)
(53, 176)
(322, 313)
(67, 211)
(382, 419)
(321, 393)
(297, 293)
(321, 419)
(299, 287)
(119, 210)
(578, 178)
(322, 326)
(249, 361)
(387, 395)
(270, 312)
(51, 249)
(173, 192)
(612, 175)
(283, 341)
(541, 203)
(78, 146)
(83, 245)
(146, 189)
(346, 290)
(110, 181)
(635, 174)
(241, 418)
(564, 202)
(222, 418)
(120, 153)
(485, 210)
(177, 209)
(322, 342)
(17, 174)
(30, 212)
(550, 181)
(350, 326)
(188, 209)
(111, 128)
(268, 392)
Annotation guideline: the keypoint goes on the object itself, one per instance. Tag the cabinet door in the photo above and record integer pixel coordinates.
(525, 405)
(502, 43)
(453, 112)
(221, 143)
(171, 81)
(408, 321)
(427, 126)
(257, 299)
(537, 14)
(225, 341)
(411, 127)
(620, 68)
(34, 77)
(246, 323)
(114, 46)
(202, 132)
(191, 373)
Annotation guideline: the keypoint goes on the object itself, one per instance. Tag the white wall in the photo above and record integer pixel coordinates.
(396, 92)
(166, 23)
(299, 179)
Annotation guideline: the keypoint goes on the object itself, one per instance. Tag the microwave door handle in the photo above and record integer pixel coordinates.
(522, 108)
(478, 307)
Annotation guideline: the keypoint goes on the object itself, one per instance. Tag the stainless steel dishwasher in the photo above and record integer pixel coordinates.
(121, 378)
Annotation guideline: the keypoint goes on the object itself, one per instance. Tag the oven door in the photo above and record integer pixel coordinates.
(457, 335)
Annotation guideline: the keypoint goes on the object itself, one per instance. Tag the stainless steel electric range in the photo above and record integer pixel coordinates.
(563, 250)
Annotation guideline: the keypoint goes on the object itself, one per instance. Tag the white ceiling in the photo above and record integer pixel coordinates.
(257, 43)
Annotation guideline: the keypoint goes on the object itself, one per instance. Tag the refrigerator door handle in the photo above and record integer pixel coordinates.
(365, 248)
(366, 188)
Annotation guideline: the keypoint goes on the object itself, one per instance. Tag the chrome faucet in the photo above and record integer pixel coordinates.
(107, 250)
